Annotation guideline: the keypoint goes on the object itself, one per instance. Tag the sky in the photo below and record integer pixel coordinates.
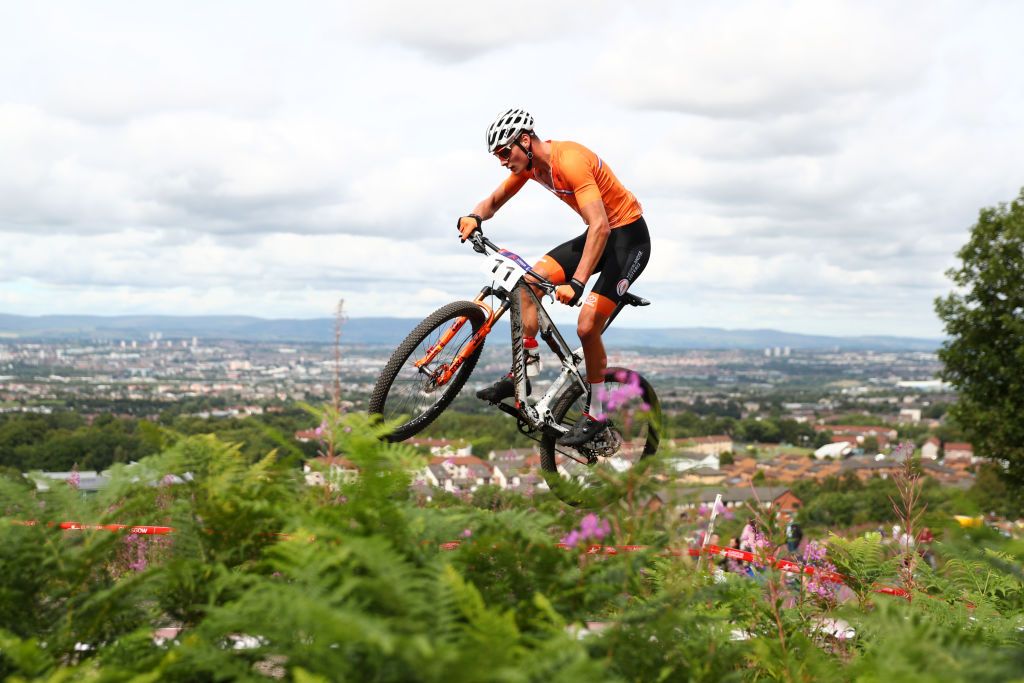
(807, 166)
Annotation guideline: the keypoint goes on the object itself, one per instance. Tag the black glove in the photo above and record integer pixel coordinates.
(577, 291)
(458, 225)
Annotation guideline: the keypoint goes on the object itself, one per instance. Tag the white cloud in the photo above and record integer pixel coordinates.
(811, 165)
(755, 60)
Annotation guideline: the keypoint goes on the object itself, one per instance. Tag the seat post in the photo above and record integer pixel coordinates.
(626, 300)
(615, 312)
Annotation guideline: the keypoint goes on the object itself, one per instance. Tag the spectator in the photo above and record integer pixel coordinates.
(732, 564)
(750, 536)
(794, 534)
(924, 546)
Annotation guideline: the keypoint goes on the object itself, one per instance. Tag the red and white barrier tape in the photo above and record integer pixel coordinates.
(76, 526)
(733, 553)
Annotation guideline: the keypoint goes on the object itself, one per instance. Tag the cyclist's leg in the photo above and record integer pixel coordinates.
(553, 267)
(625, 257)
(595, 313)
(550, 269)
(556, 266)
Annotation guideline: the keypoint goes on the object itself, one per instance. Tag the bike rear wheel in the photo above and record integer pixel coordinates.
(592, 475)
(411, 395)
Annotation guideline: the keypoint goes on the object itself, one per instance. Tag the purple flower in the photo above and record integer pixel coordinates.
(591, 528)
(627, 396)
(595, 527)
(815, 555)
(74, 479)
(466, 533)
(136, 552)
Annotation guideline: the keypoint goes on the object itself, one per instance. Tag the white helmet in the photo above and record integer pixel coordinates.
(507, 128)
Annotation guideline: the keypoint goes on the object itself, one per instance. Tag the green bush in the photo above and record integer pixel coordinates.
(267, 577)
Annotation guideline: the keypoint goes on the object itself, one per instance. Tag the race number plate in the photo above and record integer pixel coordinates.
(505, 269)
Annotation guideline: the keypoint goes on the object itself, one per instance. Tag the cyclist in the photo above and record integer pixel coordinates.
(616, 244)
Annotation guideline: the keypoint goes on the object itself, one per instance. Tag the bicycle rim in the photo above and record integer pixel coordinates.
(633, 411)
(408, 392)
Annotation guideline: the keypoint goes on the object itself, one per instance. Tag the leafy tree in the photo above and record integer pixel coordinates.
(822, 439)
(984, 318)
(990, 492)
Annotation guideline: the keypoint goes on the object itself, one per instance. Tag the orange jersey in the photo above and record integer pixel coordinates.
(578, 177)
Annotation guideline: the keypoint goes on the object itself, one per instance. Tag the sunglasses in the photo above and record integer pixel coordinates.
(505, 152)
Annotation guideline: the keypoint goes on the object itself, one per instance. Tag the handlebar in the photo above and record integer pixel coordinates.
(481, 244)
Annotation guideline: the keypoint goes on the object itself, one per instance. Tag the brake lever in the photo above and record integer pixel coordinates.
(477, 238)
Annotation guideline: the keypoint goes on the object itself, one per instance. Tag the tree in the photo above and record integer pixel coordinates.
(984, 318)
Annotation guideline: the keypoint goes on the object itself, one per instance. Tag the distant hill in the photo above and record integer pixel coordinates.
(390, 331)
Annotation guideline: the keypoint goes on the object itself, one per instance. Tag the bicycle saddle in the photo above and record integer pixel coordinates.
(634, 300)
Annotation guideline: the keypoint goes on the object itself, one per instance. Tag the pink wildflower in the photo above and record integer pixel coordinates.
(592, 528)
(815, 555)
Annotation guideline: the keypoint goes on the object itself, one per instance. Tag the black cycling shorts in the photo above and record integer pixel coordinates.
(625, 256)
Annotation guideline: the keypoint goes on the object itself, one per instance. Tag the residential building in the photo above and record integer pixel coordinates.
(87, 481)
(329, 471)
(693, 460)
(778, 498)
(709, 445)
(457, 447)
(835, 450)
(703, 476)
(958, 452)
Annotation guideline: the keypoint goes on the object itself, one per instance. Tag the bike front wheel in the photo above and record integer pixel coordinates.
(596, 474)
(412, 389)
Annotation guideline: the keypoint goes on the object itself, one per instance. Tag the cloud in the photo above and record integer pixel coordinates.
(756, 60)
(454, 30)
(812, 163)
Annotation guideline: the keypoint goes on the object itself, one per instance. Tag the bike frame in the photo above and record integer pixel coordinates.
(537, 416)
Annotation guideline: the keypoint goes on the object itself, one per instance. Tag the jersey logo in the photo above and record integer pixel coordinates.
(621, 286)
(591, 300)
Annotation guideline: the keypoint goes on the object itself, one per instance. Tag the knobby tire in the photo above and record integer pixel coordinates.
(569, 396)
(439, 320)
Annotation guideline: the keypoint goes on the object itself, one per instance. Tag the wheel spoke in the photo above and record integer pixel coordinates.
(592, 469)
(407, 393)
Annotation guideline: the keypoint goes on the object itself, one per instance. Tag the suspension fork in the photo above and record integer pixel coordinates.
(446, 373)
(453, 330)
(472, 345)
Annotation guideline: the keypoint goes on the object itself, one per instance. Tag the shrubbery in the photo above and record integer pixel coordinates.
(266, 577)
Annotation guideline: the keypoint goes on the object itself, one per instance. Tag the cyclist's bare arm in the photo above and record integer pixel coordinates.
(490, 204)
(598, 230)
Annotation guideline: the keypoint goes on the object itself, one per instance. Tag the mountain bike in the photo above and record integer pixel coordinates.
(433, 363)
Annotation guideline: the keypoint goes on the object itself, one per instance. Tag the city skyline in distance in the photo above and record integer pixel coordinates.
(391, 330)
